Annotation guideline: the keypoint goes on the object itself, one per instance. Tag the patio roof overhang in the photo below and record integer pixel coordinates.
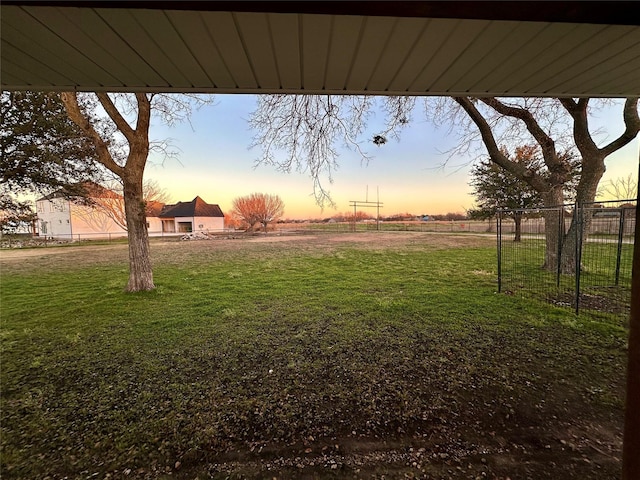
(405, 48)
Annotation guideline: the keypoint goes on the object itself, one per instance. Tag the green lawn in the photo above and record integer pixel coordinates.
(316, 348)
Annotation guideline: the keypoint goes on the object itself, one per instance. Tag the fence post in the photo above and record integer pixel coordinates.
(578, 266)
(560, 242)
(620, 238)
(499, 241)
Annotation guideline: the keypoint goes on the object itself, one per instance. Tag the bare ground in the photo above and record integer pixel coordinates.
(165, 249)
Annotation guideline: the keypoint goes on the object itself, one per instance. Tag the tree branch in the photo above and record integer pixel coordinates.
(115, 115)
(632, 127)
(545, 141)
(139, 142)
(70, 101)
(581, 134)
(144, 113)
(532, 178)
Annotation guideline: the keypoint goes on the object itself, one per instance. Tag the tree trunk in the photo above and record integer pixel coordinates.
(569, 253)
(140, 273)
(555, 236)
(561, 242)
(592, 170)
(553, 227)
(517, 218)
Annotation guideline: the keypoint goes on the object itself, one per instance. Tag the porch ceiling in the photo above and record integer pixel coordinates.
(418, 48)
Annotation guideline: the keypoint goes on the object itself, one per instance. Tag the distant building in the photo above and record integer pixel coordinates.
(103, 216)
(194, 216)
(64, 218)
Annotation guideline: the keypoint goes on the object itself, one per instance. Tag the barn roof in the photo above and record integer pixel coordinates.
(153, 208)
(195, 208)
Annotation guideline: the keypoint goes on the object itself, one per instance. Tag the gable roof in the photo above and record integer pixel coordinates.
(154, 208)
(57, 194)
(195, 208)
(81, 192)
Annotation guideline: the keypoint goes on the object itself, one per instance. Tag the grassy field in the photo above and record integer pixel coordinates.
(311, 356)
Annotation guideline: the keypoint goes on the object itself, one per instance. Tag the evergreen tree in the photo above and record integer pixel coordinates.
(41, 149)
(495, 188)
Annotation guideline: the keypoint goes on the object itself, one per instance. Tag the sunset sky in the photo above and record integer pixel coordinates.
(215, 163)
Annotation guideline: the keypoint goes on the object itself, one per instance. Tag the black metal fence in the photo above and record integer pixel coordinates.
(581, 258)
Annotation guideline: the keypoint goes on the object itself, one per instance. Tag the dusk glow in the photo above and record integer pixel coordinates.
(215, 163)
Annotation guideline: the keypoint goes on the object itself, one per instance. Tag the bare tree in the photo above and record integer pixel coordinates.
(622, 188)
(153, 192)
(300, 132)
(306, 129)
(231, 220)
(15, 214)
(257, 208)
(487, 113)
(110, 200)
(352, 217)
(127, 158)
(92, 217)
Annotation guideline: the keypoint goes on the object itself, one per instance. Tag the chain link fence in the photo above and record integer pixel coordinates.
(581, 258)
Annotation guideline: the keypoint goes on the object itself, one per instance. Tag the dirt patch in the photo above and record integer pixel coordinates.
(277, 238)
(543, 456)
(273, 243)
(602, 299)
(19, 254)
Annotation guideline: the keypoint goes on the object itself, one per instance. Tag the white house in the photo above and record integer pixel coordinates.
(62, 218)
